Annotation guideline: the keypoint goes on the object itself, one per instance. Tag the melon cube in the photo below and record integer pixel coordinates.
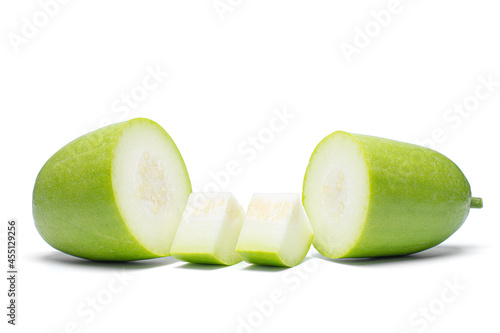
(276, 231)
(209, 229)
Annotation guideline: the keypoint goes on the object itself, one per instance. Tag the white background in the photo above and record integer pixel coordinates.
(227, 73)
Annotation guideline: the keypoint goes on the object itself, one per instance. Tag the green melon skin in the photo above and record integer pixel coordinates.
(264, 258)
(415, 198)
(74, 200)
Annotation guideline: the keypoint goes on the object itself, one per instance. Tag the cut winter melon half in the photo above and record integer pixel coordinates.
(117, 193)
(276, 231)
(367, 196)
(209, 229)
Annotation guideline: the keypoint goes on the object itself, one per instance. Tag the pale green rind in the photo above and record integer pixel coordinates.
(201, 258)
(205, 257)
(418, 198)
(261, 258)
(231, 260)
(74, 205)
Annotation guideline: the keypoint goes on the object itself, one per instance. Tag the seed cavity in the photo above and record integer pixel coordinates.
(278, 212)
(341, 207)
(334, 195)
(152, 185)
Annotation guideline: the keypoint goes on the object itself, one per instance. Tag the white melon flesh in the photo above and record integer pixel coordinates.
(336, 194)
(209, 229)
(276, 231)
(150, 184)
